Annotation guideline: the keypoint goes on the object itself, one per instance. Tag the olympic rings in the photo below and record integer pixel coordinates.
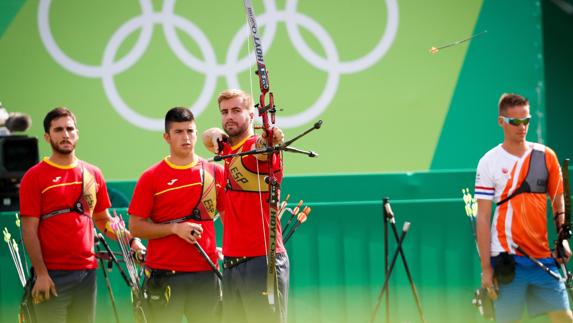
(231, 68)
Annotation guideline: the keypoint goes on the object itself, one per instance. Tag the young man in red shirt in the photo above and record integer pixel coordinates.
(246, 221)
(60, 199)
(173, 206)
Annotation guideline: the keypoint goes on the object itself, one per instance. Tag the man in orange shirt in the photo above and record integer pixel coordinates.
(517, 176)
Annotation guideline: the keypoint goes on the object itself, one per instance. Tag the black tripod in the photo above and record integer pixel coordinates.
(389, 218)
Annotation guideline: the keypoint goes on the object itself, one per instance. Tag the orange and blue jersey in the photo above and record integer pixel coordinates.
(522, 219)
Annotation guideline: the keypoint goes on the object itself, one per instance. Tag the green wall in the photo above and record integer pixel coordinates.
(558, 53)
(508, 58)
(375, 85)
(418, 109)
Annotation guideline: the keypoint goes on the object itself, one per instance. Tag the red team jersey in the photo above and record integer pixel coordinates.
(67, 240)
(166, 192)
(243, 223)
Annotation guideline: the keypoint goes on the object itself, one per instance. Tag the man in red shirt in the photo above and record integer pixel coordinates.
(59, 199)
(173, 206)
(246, 220)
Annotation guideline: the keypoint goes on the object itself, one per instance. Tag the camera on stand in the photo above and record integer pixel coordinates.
(17, 154)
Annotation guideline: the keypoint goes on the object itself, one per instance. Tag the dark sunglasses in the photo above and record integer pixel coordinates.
(517, 121)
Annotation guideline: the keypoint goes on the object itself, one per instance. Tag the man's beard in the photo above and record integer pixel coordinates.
(62, 151)
(237, 131)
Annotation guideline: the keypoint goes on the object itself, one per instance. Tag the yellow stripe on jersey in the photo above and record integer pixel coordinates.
(58, 185)
(239, 144)
(170, 164)
(51, 163)
(175, 188)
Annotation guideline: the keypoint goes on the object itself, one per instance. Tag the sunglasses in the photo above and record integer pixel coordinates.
(517, 121)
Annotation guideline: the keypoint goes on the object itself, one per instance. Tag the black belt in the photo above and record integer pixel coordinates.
(230, 262)
(161, 273)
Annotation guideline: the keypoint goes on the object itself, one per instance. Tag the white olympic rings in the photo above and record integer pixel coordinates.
(170, 21)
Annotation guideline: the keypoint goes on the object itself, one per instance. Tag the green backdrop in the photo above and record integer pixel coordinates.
(398, 109)
(386, 102)
(558, 51)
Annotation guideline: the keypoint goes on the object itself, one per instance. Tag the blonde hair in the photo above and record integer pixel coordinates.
(236, 93)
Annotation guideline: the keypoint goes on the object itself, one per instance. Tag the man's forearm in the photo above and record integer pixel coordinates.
(102, 221)
(144, 229)
(483, 231)
(484, 241)
(558, 207)
(33, 247)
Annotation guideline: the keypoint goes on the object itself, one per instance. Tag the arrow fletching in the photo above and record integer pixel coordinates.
(7, 235)
(302, 216)
(297, 208)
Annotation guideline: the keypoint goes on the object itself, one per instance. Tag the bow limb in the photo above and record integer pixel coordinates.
(265, 110)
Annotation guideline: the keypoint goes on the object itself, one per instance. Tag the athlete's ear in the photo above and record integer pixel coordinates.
(166, 137)
(47, 137)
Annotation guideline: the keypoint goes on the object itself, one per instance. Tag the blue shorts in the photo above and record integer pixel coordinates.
(531, 285)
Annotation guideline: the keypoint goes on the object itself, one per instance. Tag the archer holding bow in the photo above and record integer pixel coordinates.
(517, 176)
(246, 223)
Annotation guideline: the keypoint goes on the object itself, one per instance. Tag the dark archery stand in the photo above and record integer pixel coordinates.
(389, 218)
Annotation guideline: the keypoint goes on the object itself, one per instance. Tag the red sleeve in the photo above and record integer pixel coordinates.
(30, 195)
(250, 161)
(220, 185)
(103, 201)
(555, 183)
(226, 149)
(142, 200)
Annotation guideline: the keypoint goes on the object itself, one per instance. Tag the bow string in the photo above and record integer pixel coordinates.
(267, 114)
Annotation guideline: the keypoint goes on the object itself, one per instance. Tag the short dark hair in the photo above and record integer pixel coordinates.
(177, 114)
(511, 100)
(57, 113)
